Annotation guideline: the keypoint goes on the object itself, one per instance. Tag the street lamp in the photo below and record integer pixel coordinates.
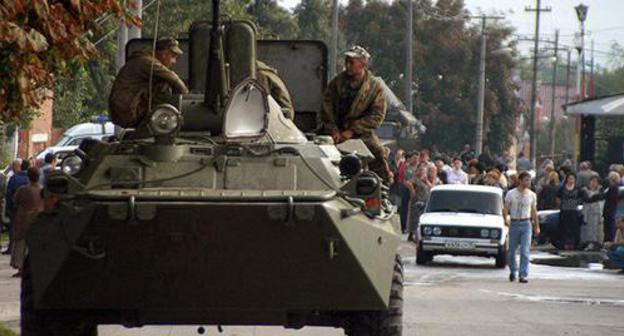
(581, 14)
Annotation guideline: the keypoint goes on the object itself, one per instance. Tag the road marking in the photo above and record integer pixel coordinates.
(557, 299)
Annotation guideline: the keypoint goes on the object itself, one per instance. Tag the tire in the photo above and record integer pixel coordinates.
(44, 323)
(501, 258)
(382, 323)
(423, 257)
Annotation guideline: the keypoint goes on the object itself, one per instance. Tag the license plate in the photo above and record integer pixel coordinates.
(459, 245)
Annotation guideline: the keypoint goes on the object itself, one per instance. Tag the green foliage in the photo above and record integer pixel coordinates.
(314, 19)
(4, 331)
(446, 62)
(273, 19)
(70, 98)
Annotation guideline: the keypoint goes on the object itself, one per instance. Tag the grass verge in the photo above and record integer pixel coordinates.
(4, 331)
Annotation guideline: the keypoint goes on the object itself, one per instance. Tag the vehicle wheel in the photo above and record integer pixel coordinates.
(423, 257)
(42, 323)
(382, 323)
(501, 258)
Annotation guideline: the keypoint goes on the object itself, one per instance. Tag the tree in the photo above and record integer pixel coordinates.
(38, 39)
(272, 19)
(313, 19)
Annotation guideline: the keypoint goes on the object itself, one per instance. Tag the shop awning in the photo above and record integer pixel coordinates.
(602, 106)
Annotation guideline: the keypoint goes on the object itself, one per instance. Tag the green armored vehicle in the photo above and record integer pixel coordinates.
(219, 212)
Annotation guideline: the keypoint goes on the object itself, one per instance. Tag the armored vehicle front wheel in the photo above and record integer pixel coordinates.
(382, 323)
(44, 323)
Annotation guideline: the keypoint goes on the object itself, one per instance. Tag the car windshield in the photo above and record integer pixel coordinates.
(465, 201)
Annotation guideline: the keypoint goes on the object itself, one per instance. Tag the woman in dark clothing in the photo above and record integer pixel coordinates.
(547, 198)
(570, 197)
(611, 197)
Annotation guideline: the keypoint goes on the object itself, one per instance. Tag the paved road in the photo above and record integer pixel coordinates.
(452, 296)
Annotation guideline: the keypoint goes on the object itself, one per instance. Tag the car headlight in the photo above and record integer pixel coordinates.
(437, 231)
(495, 234)
(165, 120)
(71, 165)
(427, 230)
(485, 233)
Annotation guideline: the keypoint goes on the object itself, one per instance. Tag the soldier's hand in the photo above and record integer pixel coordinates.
(337, 137)
(347, 134)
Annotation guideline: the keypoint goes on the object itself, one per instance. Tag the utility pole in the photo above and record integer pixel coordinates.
(552, 98)
(409, 57)
(333, 50)
(567, 98)
(122, 39)
(532, 120)
(481, 94)
(592, 93)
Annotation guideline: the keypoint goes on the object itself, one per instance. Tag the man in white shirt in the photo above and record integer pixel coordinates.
(520, 208)
(457, 175)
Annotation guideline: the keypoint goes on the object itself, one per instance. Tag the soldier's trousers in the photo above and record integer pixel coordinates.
(379, 165)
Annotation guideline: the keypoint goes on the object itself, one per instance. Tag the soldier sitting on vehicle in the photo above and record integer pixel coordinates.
(354, 106)
(129, 98)
(273, 84)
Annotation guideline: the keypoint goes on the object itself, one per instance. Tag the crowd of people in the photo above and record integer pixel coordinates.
(23, 196)
(587, 202)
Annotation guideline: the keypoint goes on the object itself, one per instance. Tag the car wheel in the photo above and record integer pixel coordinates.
(501, 257)
(387, 322)
(36, 322)
(423, 257)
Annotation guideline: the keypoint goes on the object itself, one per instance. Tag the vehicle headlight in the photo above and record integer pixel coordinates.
(437, 231)
(427, 230)
(485, 233)
(71, 165)
(165, 120)
(495, 234)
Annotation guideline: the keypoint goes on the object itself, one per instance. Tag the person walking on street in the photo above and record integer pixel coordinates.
(547, 196)
(569, 199)
(615, 248)
(28, 203)
(519, 211)
(4, 181)
(591, 230)
(50, 162)
(611, 197)
(419, 190)
(456, 175)
(17, 180)
(523, 164)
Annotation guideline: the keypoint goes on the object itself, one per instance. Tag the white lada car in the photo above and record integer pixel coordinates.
(463, 220)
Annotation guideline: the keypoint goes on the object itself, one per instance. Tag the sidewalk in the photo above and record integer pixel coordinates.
(9, 292)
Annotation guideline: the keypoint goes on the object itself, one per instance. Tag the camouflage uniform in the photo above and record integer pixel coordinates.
(273, 84)
(128, 101)
(362, 110)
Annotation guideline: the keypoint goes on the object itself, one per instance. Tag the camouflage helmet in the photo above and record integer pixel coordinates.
(358, 52)
(169, 43)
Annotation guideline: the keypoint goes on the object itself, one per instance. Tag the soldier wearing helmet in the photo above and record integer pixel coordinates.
(129, 98)
(354, 106)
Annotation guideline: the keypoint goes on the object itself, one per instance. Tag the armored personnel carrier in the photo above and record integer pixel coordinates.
(220, 211)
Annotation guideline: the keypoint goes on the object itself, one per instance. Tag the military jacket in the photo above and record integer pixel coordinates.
(129, 99)
(273, 84)
(366, 113)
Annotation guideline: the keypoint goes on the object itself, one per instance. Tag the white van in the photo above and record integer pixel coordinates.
(72, 138)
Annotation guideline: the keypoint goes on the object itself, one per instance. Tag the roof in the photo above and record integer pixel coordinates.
(612, 105)
(468, 187)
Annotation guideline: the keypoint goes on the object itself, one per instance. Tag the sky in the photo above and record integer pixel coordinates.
(604, 24)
